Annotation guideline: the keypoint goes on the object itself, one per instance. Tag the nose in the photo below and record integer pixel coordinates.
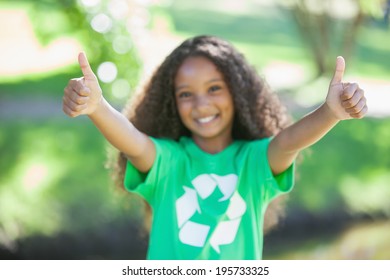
(202, 100)
(202, 104)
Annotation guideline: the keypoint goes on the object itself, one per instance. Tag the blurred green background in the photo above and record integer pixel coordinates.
(57, 200)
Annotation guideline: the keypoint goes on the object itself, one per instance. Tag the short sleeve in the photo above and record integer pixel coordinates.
(276, 185)
(273, 185)
(144, 184)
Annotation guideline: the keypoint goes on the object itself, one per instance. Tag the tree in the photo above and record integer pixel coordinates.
(104, 28)
(328, 26)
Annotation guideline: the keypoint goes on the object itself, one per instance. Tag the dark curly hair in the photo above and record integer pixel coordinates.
(258, 111)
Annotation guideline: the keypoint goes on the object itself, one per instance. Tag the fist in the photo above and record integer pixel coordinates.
(83, 95)
(345, 100)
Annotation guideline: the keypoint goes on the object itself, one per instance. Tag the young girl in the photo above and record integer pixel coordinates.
(207, 146)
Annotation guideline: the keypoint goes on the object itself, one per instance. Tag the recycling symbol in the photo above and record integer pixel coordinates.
(194, 233)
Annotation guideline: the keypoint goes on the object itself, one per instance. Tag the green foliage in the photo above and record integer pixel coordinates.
(269, 34)
(42, 85)
(50, 180)
(347, 170)
(52, 19)
(263, 35)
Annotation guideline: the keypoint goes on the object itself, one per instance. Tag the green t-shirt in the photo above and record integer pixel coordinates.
(208, 206)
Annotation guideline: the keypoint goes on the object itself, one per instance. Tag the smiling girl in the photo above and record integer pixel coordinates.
(208, 146)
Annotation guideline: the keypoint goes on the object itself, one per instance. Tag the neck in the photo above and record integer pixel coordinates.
(212, 146)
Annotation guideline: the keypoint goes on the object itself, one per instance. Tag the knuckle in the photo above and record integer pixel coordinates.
(356, 109)
(348, 103)
(72, 83)
(77, 108)
(359, 116)
(72, 114)
(346, 95)
(354, 86)
(80, 108)
(73, 106)
(67, 90)
(79, 100)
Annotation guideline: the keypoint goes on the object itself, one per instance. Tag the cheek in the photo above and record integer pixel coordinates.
(228, 105)
(183, 110)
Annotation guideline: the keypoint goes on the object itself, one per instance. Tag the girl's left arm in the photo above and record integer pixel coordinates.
(344, 101)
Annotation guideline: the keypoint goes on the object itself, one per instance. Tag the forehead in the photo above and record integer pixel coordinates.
(197, 67)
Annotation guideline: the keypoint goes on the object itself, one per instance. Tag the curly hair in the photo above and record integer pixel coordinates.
(258, 111)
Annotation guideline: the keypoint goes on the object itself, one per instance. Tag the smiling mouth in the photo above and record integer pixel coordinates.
(206, 120)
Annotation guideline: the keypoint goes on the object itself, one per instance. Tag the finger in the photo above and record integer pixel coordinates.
(85, 67)
(79, 86)
(356, 97)
(73, 106)
(77, 93)
(361, 114)
(339, 71)
(349, 91)
(345, 85)
(68, 111)
(358, 107)
(77, 98)
(84, 92)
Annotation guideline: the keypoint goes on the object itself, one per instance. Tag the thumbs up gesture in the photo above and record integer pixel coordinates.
(83, 95)
(345, 100)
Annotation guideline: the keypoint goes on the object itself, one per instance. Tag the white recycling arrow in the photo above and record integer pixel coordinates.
(186, 206)
(194, 234)
(225, 233)
(237, 206)
(226, 184)
(204, 185)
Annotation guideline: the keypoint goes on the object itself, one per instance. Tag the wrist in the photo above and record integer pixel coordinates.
(99, 107)
(327, 112)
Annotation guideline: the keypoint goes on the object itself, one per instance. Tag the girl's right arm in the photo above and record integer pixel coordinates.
(84, 96)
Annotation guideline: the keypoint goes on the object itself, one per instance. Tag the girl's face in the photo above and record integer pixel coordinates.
(204, 103)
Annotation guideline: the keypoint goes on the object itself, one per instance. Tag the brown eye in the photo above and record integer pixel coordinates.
(214, 88)
(184, 94)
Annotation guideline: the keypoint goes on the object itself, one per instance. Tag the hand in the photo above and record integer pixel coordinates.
(82, 96)
(345, 100)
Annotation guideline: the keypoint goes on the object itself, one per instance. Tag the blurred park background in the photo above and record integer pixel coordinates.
(57, 200)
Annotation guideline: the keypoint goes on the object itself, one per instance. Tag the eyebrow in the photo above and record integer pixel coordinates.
(208, 82)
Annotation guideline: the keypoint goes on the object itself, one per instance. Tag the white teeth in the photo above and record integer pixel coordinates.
(207, 119)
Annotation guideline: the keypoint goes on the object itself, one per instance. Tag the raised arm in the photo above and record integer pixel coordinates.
(83, 96)
(344, 101)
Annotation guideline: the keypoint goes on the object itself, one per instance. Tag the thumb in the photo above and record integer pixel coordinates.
(85, 67)
(339, 71)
